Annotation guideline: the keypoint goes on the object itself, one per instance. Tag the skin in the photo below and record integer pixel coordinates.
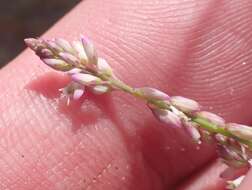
(198, 49)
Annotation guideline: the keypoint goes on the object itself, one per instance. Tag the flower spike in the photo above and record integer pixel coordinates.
(80, 61)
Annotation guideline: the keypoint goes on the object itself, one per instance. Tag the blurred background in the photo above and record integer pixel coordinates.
(24, 18)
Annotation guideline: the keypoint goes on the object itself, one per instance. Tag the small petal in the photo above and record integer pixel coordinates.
(212, 117)
(72, 91)
(78, 93)
(64, 44)
(57, 64)
(153, 93)
(80, 50)
(167, 117)
(100, 89)
(86, 79)
(185, 104)
(241, 131)
(103, 66)
(89, 50)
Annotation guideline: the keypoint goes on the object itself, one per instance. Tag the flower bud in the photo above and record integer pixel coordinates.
(33, 43)
(231, 155)
(67, 57)
(86, 79)
(241, 131)
(64, 44)
(45, 53)
(184, 104)
(78, 93)
(89, 50)
(192, 130)
(153, 93)
(100, 89)
(167, 117)
(104, 67)
(213, 118)
(58, 64)
(74, 71)
(53, 46)
(77, 45)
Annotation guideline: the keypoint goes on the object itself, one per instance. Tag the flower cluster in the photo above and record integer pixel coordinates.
(79, 60)
(233, 141)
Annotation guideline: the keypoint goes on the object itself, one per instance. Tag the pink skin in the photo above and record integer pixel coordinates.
(191, 48)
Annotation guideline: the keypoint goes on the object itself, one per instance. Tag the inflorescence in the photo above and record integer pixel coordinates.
(80, 61)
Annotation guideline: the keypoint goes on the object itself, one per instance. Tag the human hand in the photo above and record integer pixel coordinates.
(113, 142)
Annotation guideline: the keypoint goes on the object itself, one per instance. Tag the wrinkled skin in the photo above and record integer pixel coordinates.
(198, 49)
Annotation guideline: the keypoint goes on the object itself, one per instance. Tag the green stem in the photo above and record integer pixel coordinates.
(213, 128)
(203, 123)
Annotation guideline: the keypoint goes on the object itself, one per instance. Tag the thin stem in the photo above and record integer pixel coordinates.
(203, 123)
(213, 128)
